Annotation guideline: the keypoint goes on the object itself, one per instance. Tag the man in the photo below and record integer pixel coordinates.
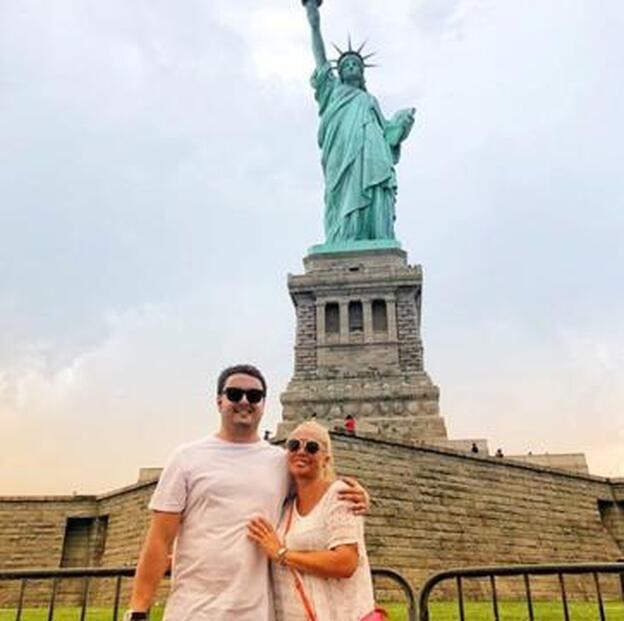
(208, 492)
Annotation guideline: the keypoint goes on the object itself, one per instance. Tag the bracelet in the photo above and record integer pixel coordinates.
(281, 555)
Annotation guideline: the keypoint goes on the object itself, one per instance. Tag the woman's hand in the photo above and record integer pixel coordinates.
(260, 531)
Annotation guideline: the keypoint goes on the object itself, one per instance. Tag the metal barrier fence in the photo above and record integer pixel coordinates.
(525, 572)
(23, 577)
(459, 576)
(405, 587)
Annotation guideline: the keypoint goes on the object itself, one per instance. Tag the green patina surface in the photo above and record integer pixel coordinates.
(360, 147)
(354, 246)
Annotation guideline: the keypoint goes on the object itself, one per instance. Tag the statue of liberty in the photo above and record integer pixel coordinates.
(360, 147)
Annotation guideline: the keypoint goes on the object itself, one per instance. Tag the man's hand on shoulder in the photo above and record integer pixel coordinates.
(357, 497)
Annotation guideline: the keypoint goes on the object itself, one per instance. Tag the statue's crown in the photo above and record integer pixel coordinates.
(351, 52)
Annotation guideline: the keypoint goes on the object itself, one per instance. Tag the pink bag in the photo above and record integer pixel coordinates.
(377, 615)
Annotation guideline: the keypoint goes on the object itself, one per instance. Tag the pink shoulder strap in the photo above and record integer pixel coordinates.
(307, 605)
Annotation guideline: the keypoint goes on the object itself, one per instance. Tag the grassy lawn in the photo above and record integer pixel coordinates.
(515, 611)
(440, 611)
(69, 614)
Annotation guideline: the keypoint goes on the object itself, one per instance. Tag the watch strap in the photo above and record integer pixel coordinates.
(133, 615)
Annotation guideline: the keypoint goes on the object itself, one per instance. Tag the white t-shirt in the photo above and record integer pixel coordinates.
(218, 486)
(330, 523)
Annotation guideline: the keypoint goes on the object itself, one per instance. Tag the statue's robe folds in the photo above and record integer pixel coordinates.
(359, 150)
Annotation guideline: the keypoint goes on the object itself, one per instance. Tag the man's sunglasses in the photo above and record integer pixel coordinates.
(254, 395)
(311, 447)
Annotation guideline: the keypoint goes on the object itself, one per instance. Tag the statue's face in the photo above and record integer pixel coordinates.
(351, 71)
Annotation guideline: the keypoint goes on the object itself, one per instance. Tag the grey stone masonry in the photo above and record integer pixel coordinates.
(305, 348)
(358, 349)
(436, 508)
(408, 324)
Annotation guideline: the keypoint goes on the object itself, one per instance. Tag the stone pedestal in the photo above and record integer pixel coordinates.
(358, 347)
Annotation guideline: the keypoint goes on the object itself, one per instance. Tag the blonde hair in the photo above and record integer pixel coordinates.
(321, 434)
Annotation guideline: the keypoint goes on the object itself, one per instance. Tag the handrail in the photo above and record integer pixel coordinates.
(24, 575)
(525, 571)
(66, 572)
(405, 586)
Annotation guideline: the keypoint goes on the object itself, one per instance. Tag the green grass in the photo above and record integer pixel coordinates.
(440, 611)
(514, 611)
(69, 614)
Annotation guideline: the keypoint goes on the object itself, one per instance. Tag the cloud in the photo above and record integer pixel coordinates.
(442, 16)
(125, 403)
(159, 176)
(504, 383)
(276, 36)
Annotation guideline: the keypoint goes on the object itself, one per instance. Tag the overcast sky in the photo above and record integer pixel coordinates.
(159, 177)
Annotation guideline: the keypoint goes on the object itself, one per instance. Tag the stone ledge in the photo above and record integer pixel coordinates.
(493, 460)
(340, 249)
(360, 281)
(127, 489)
(82, 497)
(49, 498)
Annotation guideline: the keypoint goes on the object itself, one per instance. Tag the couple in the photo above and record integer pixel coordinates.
(221, 500)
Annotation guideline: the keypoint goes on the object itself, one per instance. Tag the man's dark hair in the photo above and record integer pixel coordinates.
(244, 369)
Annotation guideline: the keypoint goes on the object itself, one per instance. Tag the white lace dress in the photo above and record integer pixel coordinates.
(328, 525)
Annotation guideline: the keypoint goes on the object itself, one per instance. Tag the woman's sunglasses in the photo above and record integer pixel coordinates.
(254, 395)
(311, 447)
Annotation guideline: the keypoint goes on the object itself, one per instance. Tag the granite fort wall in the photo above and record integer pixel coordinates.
(432, 509)
(33, 529)
(612, 512)
(436, 508)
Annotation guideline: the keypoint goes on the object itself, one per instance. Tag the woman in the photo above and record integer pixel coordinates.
(319, 563)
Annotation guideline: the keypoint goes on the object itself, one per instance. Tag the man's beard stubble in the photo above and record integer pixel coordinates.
(253, 421)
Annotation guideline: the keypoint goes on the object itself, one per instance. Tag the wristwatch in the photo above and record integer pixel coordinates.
(133, 615)
(281, 555)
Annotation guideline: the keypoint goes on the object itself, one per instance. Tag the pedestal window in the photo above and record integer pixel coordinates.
(332, 319)
(380, 316)
(356, 317)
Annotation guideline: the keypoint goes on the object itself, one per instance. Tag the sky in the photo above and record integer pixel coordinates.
(159, 178)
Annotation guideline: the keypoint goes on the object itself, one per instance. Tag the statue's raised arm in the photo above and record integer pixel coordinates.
(318, 45)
